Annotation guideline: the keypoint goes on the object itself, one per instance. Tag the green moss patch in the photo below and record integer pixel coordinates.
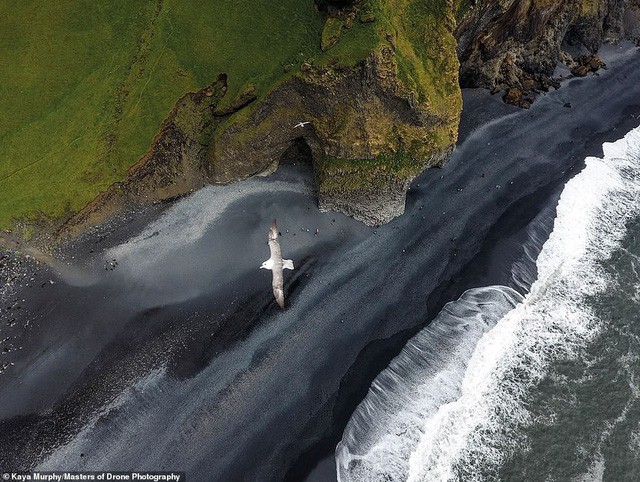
(331, 32)
(86, 85)
(344, 175)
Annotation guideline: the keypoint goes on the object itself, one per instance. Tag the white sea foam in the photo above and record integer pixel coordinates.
(465, 417)
(424, 377)
(523, 270)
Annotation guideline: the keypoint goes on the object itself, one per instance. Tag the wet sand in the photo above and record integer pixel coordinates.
(179, 359)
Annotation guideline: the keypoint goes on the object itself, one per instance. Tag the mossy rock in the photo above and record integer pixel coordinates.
(383, 102)
(367, 17)
(331, 32)
(371, 190)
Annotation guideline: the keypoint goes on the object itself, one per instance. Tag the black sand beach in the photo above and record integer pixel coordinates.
(178, 358)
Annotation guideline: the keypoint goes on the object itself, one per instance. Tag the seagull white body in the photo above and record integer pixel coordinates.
(276, 264)
(302, 124)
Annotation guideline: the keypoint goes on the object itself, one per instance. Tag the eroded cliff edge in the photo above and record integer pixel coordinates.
(514, 45)
(369, 132)
(381, 101)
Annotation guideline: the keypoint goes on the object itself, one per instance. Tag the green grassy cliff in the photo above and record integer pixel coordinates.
(87, 87)
(382, 99)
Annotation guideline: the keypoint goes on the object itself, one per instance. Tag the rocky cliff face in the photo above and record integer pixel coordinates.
(509, 44)
(368, 133)
(371, 126)
(380, 104)
(380, 100)
(173, 166)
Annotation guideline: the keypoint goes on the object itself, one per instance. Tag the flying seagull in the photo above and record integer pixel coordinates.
(276, 264)
(301, 124)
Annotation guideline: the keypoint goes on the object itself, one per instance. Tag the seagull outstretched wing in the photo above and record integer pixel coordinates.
(276, 264)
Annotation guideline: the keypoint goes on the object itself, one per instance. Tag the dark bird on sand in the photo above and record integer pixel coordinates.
(277, 265)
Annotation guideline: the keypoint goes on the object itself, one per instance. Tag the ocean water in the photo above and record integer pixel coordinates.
(541, 387)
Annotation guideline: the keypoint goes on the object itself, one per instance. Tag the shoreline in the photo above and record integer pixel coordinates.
(420, 255)
(128, 220)
(318, 465)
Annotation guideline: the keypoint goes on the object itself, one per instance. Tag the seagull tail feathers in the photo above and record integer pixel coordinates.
(279, 295)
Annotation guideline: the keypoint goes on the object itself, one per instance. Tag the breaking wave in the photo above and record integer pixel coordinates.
(452, 405)
(425, 376)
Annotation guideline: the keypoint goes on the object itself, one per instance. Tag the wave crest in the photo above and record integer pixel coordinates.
(452, 405)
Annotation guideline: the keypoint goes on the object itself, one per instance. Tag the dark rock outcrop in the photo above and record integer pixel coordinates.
(340, 4)
(517, 43)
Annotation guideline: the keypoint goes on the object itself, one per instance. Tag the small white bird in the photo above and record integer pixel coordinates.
(301, 124)
(276, 264)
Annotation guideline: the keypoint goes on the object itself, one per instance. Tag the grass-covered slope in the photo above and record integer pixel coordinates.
(420, 33)
(86, 85)
(382, 100)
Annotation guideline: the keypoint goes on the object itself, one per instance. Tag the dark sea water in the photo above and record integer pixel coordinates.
(541, 387)
(586, 410)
